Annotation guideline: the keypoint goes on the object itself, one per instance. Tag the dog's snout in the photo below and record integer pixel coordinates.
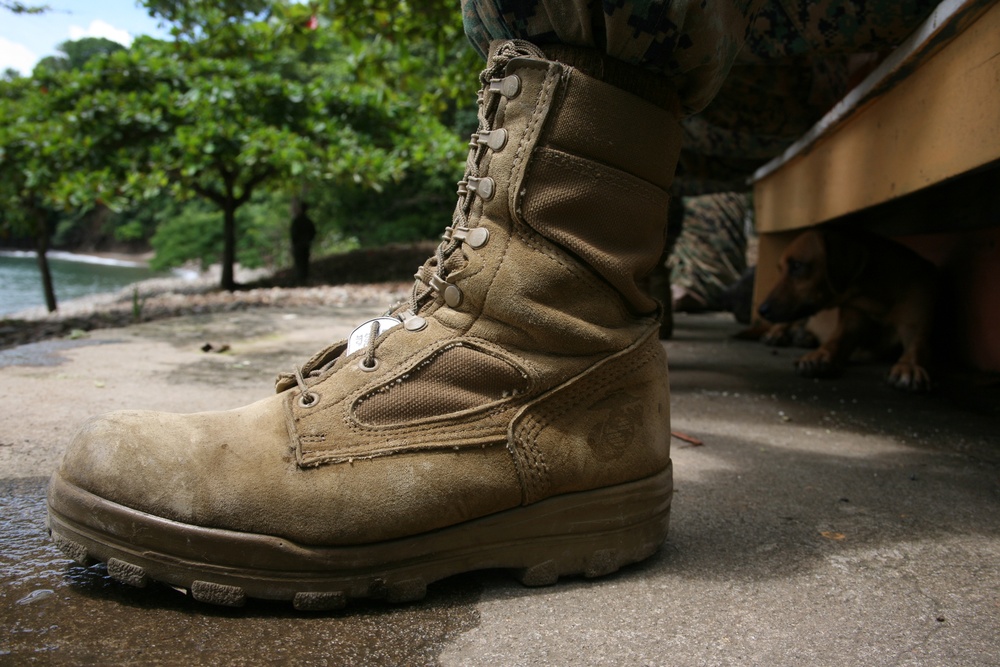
(764, 309)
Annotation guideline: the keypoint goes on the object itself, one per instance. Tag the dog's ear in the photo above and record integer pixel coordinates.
(846, 258)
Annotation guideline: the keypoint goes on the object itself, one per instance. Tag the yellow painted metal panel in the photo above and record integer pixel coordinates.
(940, 121)
(768, 252)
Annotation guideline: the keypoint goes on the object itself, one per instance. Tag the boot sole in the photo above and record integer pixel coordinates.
(592, 533)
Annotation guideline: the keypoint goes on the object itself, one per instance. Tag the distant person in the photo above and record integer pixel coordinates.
(303, 233)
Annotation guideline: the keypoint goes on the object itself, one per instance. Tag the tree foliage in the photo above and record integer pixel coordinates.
(22, 8)
(357, 104)
(33, 160)
(76, 53)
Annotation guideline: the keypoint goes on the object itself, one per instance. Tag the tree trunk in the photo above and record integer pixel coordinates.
(41, 250)
(229, 246)
(229, 203)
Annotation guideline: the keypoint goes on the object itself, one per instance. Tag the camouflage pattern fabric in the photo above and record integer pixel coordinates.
(692, 41)
(753, 75)
(784, 28)
(710, 253)
(757, 113)
(760, 72)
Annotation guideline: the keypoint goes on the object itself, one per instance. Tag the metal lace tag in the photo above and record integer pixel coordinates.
(360, 336)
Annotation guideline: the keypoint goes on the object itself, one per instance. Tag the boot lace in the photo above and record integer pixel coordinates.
(430, 278)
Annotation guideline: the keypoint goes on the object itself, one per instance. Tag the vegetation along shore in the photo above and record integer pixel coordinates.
(372, 276)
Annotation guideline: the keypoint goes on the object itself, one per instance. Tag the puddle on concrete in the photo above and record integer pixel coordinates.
(55, 612)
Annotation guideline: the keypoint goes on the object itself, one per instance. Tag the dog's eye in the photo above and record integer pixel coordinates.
(796, 269)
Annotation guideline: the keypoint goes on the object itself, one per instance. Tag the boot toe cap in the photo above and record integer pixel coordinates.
(132, 458)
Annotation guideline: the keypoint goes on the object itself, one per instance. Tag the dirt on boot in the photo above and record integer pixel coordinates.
(513, 412)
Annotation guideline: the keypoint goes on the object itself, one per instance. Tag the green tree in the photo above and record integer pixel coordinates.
(250, 95)
(290, 108)
(194, 19)
(390, 41)
(385, 47)
(76, 53)
(32, 161)
(222, 128)
(36, 151)
(21, 8)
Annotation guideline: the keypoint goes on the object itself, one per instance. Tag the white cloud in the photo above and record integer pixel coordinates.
(16, 56)
(99, 28)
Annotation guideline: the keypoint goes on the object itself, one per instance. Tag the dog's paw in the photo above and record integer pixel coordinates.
(908, 376)
(817, 364)
(775, 341)
(777, 336)
(802, 337)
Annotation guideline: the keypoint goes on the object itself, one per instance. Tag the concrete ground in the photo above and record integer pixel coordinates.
(818, 523)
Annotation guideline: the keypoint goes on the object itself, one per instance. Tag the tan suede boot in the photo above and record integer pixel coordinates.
(514, 414)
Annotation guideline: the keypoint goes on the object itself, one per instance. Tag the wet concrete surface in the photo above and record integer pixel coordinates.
(821, 523)
(55, 612)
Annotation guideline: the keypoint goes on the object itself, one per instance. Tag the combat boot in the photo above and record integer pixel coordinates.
(512, 413)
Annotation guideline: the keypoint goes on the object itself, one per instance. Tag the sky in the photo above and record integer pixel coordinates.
(26, 39)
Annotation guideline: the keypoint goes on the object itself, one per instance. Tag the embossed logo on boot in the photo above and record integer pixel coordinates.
(619, 418)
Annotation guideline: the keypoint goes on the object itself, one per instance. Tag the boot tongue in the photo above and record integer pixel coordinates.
(449, 256)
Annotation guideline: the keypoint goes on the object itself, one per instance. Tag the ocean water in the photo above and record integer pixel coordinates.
(73, 275)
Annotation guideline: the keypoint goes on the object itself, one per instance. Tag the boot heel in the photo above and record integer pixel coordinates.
(598, 564)
(599, 532)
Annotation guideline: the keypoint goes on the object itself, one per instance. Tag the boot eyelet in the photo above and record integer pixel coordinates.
(364, 365)
(509, 86)
(494, 139)
(484, 187)
(308, 399)
(477, 237)
(415, 323)
(453, 296)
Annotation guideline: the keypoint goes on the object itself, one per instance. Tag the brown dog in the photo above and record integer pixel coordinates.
(883, 292)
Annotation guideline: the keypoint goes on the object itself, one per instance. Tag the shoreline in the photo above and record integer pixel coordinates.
(138, 260)
(30, 305)
(189, 282)
(162, 298)
(378, 277)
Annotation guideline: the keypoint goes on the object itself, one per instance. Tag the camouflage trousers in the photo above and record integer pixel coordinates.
(758, 73)
(710, 253)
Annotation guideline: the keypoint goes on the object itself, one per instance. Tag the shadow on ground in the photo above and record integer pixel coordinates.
(818, 520)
